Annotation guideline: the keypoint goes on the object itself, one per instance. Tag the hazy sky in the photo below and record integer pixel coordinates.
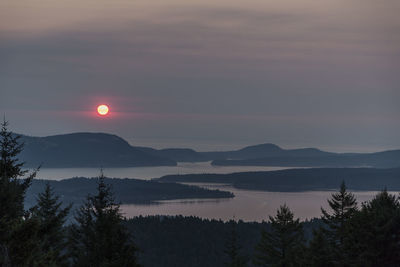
(205, 74)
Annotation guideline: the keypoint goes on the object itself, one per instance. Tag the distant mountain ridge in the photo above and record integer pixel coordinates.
(269, 150)
(249, 152)
(86, 150)
(108, 150)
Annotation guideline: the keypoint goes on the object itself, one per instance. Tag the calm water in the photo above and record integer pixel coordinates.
(146, 172)
(246, 205)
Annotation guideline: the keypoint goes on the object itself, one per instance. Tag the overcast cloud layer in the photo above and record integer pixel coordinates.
(207, 75)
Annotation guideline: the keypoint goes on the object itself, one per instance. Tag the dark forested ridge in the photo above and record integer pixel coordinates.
(107, 150)
(301, 179)
(127, 191)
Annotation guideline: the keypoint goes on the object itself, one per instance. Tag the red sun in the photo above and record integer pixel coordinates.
(102, 110)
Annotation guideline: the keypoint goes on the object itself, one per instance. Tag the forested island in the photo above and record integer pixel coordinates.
(127, 191)
(387, 159)
(295, 180)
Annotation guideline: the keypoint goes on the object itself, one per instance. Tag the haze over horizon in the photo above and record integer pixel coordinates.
(205, 74)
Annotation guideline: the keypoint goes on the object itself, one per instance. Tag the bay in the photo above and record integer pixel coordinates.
(147, 172)
(247, 205)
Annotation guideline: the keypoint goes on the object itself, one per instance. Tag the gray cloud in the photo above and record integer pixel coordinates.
(216, 74)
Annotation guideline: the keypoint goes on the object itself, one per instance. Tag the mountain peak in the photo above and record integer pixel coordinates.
(262, 147)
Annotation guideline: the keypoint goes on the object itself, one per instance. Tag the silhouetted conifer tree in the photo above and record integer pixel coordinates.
(376, 231)
(18, 232)
(51, 232)
(283, 245)
(99, 238)
(344, 206)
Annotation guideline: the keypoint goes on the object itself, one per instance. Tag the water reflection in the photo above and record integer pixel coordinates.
(247, 205)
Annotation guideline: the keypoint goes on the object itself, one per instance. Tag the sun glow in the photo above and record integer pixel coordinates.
(102, 110)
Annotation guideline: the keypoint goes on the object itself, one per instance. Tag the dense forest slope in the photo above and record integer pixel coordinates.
(191, 241)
